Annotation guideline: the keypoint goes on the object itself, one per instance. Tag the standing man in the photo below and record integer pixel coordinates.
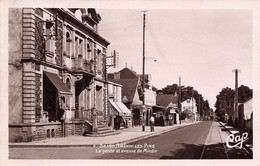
(152, 123)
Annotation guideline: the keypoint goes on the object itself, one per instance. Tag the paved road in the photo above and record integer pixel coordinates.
(183, 143)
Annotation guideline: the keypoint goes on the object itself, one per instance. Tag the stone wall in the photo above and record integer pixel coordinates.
(34, 132)
(14, 67)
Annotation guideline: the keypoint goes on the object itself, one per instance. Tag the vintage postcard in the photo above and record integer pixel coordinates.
(91, 81)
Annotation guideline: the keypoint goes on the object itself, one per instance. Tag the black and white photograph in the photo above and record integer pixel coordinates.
(154, 82)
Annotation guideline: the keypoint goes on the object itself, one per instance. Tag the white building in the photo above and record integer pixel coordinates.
(189, 106)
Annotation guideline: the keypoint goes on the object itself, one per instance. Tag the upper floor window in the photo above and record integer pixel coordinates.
(49, 40)
(68, 44)
(76, 46)
(99, 60)
(68, 83)
(80, 47)
(88, 51)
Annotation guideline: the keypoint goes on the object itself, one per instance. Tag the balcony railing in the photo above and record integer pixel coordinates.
(84, 65)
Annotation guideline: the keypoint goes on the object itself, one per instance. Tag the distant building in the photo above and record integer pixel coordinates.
(189, 107)
(132, 93)
(149, 96)
(170, 102)
(57, 72)
(245, 115)
(117, 111)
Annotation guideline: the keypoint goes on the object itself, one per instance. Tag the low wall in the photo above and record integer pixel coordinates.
(22, 132)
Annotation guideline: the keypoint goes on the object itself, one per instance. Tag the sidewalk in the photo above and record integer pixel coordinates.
(235, 131)
(125, 136)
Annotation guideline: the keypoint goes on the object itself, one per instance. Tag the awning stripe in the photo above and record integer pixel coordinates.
(115, 106)
(123, 108)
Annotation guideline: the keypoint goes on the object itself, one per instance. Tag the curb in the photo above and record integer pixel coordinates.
(91, 145)
(244, 145)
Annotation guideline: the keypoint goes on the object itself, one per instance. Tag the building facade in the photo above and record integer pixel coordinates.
(119, 114)
(132, 94)
(170, 112)
(245, 115)
(57, 72)
(149, 97)
(189, 107)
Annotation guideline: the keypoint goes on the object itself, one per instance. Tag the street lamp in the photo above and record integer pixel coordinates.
(154, 59)
(143, 110)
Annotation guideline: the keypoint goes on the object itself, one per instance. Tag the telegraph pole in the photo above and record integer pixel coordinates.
(143, 108)
(235, 115)
(179, 93)
(179, 97)
(143, 52)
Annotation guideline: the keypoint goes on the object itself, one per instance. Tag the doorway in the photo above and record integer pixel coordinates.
(136, 117)
(50, 99)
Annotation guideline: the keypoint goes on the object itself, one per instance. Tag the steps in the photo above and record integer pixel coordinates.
(103, 130)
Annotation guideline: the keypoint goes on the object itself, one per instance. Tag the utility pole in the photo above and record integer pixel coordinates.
(143, 108)
(179, 97)
(192, 103)
(179, 93)
(235, 115)
(143, 81)
(199, 107)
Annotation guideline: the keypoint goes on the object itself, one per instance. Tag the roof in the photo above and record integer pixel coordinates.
(165, 99)
(125, 73)
(129, 87)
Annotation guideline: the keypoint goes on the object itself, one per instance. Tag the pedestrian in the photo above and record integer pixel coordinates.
(152, 123)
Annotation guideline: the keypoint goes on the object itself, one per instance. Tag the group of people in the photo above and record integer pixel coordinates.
(118, 120)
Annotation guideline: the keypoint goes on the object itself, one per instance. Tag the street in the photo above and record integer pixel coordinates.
(184, 143)
(197, 141)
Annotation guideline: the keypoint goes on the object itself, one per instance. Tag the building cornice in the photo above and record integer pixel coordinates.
(66, 16)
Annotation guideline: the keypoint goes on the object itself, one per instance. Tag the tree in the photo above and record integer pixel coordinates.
(225, 102)
(187, 93)
(244, 93)
(169, 89)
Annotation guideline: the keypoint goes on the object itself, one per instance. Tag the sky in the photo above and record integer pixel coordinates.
(202, 46)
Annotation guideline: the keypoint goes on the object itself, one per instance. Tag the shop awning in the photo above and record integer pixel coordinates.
(116, 107)
(57, 82)
(123, 108)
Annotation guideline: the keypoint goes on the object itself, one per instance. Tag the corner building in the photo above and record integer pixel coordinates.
(57, 72)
